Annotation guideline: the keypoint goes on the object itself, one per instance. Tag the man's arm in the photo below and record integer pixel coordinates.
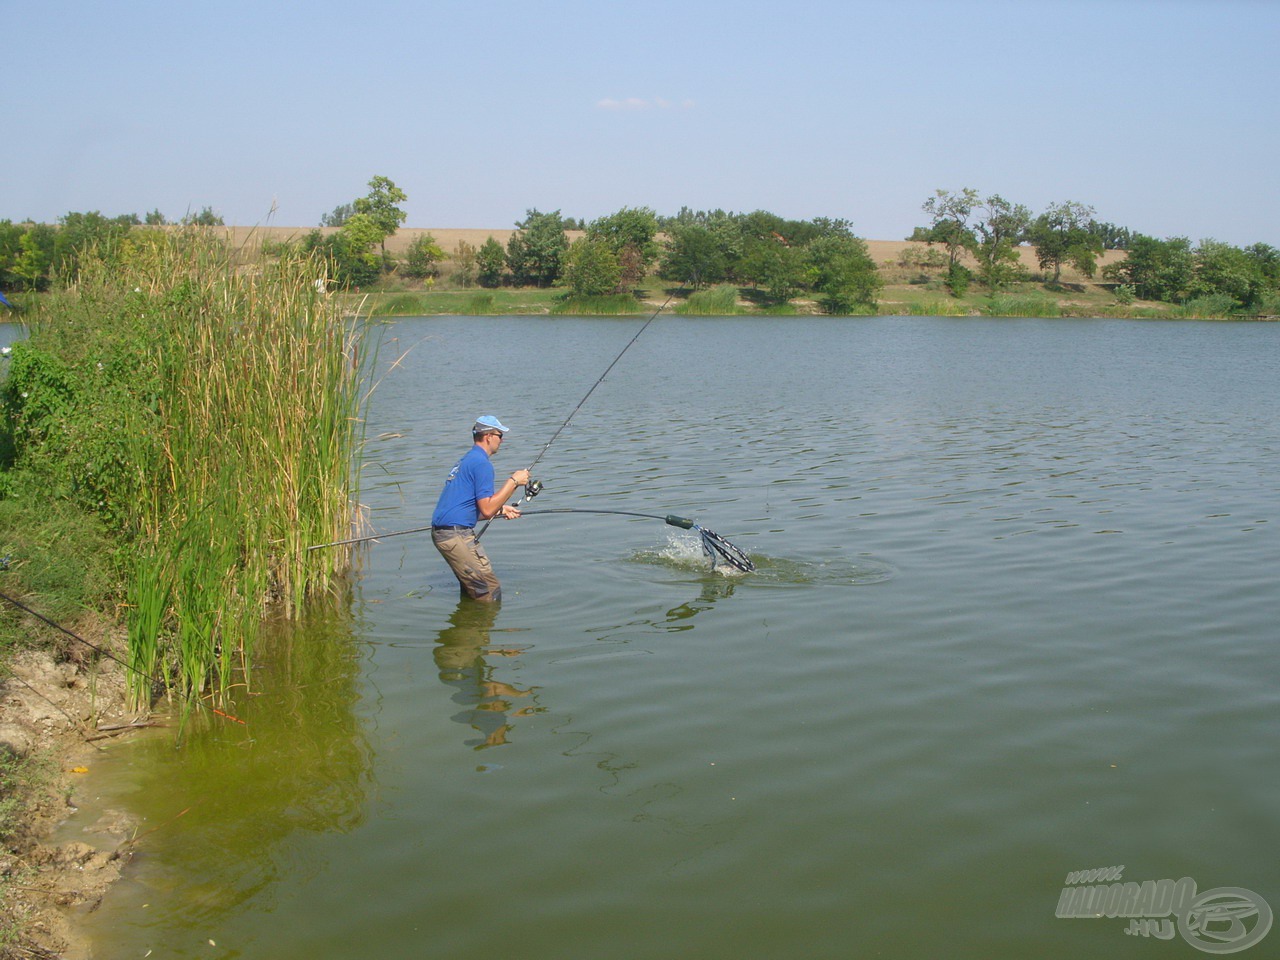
(490, 507)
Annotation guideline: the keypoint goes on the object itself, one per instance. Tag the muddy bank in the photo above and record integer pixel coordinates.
(55, 716)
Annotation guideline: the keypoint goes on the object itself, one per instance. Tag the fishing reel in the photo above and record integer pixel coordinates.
(532, 489)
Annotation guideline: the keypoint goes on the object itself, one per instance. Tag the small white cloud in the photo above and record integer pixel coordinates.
(640, 103)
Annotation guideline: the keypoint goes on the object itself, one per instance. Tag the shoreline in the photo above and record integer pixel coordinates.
(54, 715)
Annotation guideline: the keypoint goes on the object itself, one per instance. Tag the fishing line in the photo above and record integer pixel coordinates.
(713, 545)
(533, 487)
(716, 547)
(111, 656)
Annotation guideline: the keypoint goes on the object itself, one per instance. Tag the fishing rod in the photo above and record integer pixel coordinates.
(714, 545)
(534, 487)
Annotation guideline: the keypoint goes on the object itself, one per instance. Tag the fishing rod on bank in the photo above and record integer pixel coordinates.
(716, 547)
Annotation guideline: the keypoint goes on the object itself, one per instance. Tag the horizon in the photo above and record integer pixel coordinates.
(1159, 114)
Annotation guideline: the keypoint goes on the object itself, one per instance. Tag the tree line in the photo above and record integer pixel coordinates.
(991, 229)
(778, 258)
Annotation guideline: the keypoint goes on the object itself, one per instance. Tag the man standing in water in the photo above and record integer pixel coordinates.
(468, 497)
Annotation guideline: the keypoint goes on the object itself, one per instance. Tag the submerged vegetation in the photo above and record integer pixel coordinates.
(201, 413)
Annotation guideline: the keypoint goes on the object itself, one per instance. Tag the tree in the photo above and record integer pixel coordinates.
(629, 234)
(535, 252)
(1156, 269)
(949, 215)
(842, 271)
(77, 232)
(379, 205)
(1000, 229)
(776, 267)
(491, 261)
(1229, 271)
(423, 255)
(35, 255)
(156, 219)
(464, 263)
(693, 256)
(205, 218)
(1064, 234)
(591, 267)
(340, 215)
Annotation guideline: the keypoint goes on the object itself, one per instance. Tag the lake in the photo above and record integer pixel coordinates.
(1015, 616)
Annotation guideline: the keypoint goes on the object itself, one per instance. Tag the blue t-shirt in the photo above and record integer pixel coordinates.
(471, 479)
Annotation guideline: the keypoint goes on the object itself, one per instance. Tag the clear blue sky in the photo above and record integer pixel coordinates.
(1162, 114)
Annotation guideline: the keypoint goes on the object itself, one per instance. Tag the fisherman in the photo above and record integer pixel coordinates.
(468, 497)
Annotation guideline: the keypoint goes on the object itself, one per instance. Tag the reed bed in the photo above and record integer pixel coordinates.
(230, 438)
(718, 301)
(607, 305)
(1021, 305)
(936, 308)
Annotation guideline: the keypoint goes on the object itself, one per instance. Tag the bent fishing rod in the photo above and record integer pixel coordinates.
(716, 547)
(534, 487)
(713, 544)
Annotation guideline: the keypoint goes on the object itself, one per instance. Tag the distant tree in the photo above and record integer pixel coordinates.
(692, 256)
(1112, 237)
(1222, 269)
(491, 261)
(379, 205)
(591, 267)
(629, 234)
(340, 215)
(463, 263)
(1000, 227)
(205, 218)
(10, 247)
(1062, 234)
(423, 257)
(35, 255)
(775, 267)
(78, 232)
(350, 250)
(843, 273)
(1156, 269)
(156, 219)
(949, 215)
(1267, 258)
(536, 251)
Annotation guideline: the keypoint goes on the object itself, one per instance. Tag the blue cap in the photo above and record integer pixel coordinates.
(486, 424)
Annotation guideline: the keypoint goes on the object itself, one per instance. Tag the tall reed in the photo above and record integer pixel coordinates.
(235, 437)
(717, 301)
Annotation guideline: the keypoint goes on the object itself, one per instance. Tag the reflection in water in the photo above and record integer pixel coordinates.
(221, 810)
(461, 652)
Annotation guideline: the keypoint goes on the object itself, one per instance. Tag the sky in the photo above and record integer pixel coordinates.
(1163, 115)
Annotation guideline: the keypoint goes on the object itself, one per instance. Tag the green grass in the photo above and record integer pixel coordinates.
(1031, 298)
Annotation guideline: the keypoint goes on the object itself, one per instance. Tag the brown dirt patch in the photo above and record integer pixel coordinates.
(54, 712)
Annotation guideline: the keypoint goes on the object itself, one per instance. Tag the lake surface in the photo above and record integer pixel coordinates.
(1015, 617)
